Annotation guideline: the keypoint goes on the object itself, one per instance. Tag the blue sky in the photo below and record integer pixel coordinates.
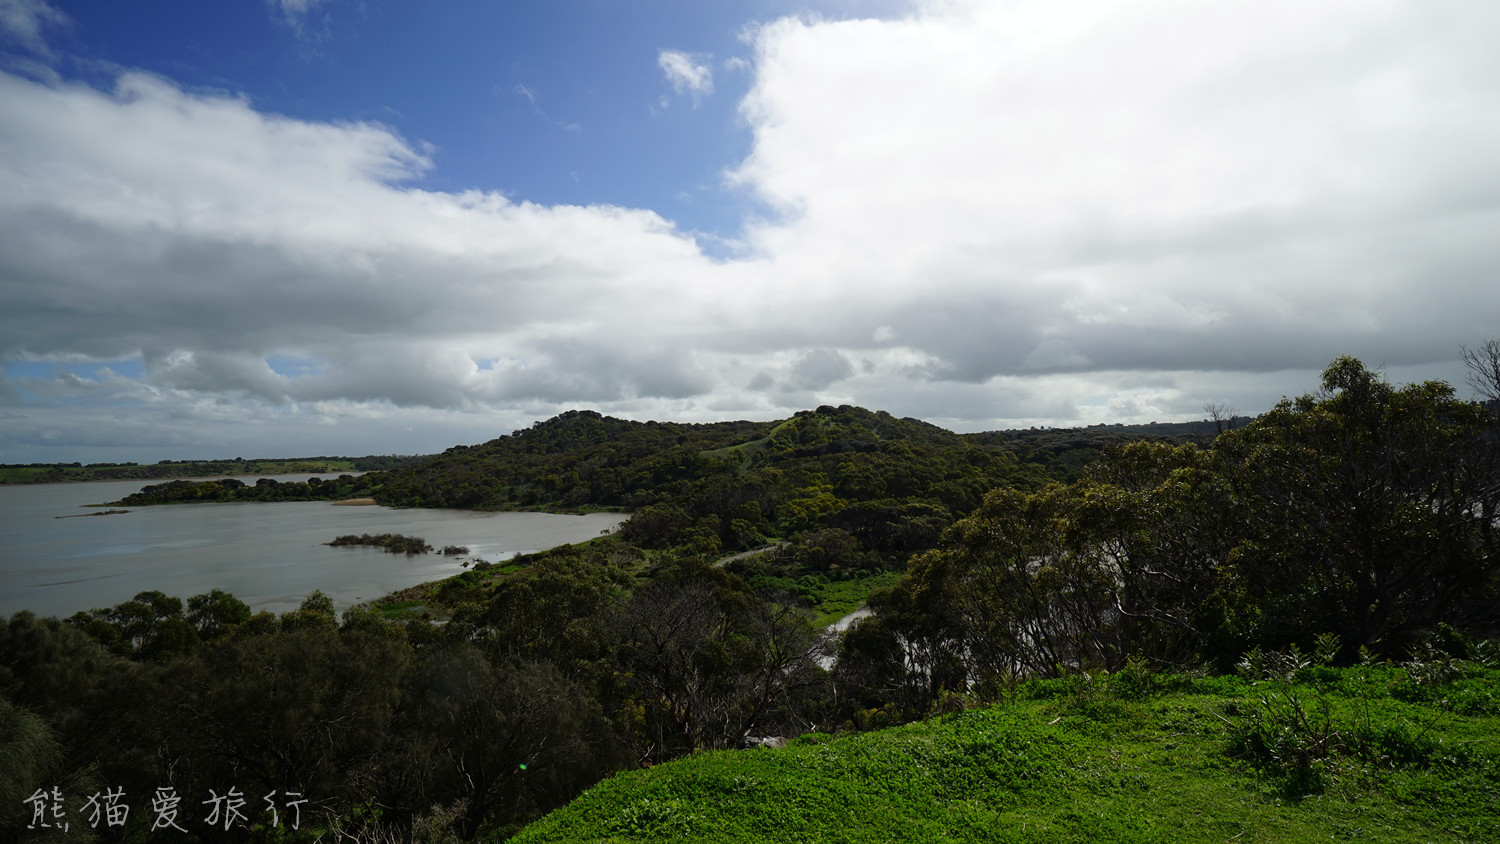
(556, 103)
(328, 226)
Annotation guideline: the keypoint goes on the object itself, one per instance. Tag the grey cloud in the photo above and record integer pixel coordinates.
(819, 368)
(1010, 216)
(599, 370)
(215, 372)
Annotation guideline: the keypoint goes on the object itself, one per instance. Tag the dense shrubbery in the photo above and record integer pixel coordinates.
(510, 709)
(1366, 512)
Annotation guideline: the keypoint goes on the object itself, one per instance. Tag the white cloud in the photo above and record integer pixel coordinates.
(205, 237)
(25, 22)
(531, 98)
(689, 73)
(295, 13)
(1007, 214)
(1023, 186)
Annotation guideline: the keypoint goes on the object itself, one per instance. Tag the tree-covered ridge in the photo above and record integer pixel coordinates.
(579, 458)
(890, 485)
(1064, 452)
(797, 472)
(583, 459)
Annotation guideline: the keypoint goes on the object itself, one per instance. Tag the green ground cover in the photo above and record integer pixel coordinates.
(829, 600)
(1357, 754)
(745, 450)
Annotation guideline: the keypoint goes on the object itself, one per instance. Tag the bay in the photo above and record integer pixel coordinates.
(270, 555)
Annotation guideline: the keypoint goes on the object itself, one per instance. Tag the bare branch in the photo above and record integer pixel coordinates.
(1483, 363)
(1221, 414)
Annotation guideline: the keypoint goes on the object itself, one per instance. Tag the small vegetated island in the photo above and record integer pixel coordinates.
(396, 543)
(1251, 630)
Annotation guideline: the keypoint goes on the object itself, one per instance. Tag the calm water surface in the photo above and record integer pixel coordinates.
(270, 555)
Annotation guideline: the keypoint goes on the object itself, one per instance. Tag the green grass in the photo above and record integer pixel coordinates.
(831, 600)
(1132, 757)
(399, 610)
(745, 450)
(838, 598)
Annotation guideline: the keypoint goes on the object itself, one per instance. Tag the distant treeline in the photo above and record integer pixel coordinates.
(233, 489)
(52, 473)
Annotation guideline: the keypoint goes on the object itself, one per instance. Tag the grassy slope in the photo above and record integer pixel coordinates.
(1091, 761)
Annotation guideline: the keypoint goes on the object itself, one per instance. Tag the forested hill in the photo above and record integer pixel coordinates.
(584, 459)
(575, 459)
(829, 456)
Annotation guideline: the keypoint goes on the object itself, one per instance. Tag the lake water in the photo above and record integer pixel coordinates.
(270, 555)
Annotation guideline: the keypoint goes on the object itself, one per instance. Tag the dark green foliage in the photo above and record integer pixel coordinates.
(149, 626)
(507, 739)
(1367, 511)
(709, 662)
(1373, 514)
(559, 611)
(216, 615)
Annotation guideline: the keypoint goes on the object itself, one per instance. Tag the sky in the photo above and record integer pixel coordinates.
(314, 227)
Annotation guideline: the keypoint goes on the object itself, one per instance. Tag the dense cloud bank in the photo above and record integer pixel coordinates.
(985, 215)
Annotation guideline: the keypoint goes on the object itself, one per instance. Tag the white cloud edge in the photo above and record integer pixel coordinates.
(688, 73)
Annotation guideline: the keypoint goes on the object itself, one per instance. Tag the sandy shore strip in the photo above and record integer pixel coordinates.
(355, 502)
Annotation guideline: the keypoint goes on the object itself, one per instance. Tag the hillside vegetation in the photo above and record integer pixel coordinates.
(853, 493)
(1102, 611)
(1372, 753)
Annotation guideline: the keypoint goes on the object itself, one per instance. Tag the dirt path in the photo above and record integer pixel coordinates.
(753, 552)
